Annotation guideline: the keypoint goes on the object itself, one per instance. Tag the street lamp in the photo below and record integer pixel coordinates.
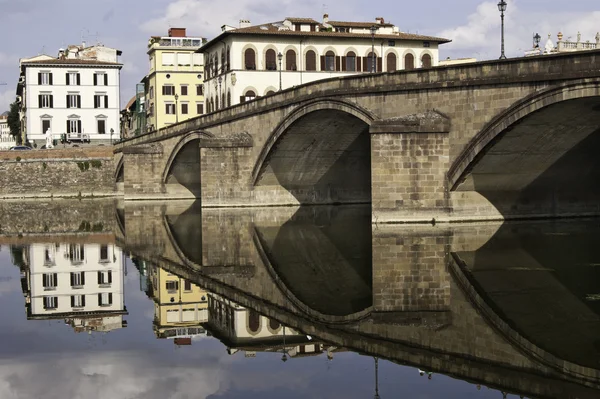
(536, 40)
(502, 9)
(284, 350)
(373, 29)
(176, 108)
(280, 57)
(111, 134)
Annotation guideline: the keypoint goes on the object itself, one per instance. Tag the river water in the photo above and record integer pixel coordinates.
(108, 300)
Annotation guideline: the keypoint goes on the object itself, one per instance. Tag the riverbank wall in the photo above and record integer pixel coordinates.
(73, 172)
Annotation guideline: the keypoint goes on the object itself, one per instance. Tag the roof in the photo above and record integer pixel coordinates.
(302, 20)
(359, 24)
(67, 61)
(131, 102)
(272, 29)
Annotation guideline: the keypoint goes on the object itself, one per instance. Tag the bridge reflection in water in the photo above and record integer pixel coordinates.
(513, 307)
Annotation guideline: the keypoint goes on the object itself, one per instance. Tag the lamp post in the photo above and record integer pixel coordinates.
(280, 57)
(373, 30)
(111, 134)
(284, 356)
(376, 378)
(502, 9)
(536, 40)
(176, 108)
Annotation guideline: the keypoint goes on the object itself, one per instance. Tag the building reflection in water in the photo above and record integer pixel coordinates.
(80, 283)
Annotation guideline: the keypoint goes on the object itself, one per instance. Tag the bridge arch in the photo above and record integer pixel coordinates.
(119, 175)
(315, 149)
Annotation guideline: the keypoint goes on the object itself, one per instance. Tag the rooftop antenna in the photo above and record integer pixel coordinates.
(43, 51)
(324, 9)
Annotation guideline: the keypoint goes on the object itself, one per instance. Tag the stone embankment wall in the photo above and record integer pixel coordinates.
(57, 173)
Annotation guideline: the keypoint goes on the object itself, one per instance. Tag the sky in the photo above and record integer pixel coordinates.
(31, 27)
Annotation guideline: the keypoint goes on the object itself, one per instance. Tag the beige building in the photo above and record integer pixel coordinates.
(256, 60)
(173, 86)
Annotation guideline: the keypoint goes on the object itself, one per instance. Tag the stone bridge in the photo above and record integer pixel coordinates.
(461, 300)
(497, 139)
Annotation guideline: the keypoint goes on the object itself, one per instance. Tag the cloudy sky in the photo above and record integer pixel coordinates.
(30, 27)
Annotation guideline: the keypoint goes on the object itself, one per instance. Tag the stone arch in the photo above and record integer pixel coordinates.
(248, 65)
(481, 143)
(423, 59)
(342, 150)
(181, 175)
(119, 175)
(184, 233)
(406, 56)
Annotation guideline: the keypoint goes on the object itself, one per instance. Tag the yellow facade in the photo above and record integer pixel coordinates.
(177, 302)
(175, 65)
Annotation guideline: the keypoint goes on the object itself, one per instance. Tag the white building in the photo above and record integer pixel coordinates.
(81, 283)
(6, 140)
(249, 61)
(75, 94)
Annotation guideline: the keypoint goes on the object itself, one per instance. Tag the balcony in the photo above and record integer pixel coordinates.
(175, 42)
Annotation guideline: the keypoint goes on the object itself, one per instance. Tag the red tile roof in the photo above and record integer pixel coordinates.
(302, 20)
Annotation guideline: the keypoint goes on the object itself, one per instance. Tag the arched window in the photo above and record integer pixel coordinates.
(253, 321)
(290, 60)
(223, 60)
(216, 58)
(270, 60)
(330, 61)
(391, 62)
(409, 61)
(274, 325)
(228, 59)
(249, 96)
(229, 98)
(350, 61)
(250, 59)
(426, 61)
(371, 63)
(270, 92)
(311, 61)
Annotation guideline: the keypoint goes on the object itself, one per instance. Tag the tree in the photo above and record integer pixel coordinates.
(14, 122)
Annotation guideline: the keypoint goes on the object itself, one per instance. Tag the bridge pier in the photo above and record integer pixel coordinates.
(409, 160)
(143, 165)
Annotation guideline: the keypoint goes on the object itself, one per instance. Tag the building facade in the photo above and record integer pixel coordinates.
(6, 140)
(174, 84)
(249, 61)
(81, 283)
(73, 97)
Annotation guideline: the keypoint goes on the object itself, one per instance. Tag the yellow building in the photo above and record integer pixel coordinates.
(174, 89)
(180, 307)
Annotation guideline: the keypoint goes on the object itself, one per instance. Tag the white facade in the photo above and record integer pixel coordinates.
(79, 282)
(331, 49)
(6, 140)
(78, 97)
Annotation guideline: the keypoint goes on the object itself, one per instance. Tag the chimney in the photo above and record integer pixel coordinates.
(325, 19)
(245, 23)
(176, 32)
(61, 54)
(380, 20)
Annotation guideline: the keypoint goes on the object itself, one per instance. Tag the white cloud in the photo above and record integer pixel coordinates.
(205, 17)
(480, 36)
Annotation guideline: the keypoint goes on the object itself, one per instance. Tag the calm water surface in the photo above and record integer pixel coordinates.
(175, 302)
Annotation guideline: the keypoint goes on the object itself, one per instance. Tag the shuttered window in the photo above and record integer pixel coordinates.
(311, 61)
(290, 61)
(426, 61)
(391, 64)
(409, 61)
(270, 60)
(350, 62)
(250, 59)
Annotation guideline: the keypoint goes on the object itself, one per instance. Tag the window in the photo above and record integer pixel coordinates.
(199, 108)
(199, 90)
(184, 90)
(371, 62)
(187, 286)
(100, 79)
(46, 101)
(50, 302)
(46, 125)
(249, 96)
(105, 299)
(409, 61)
(290, 60)
(330, 61)
(170, 109)
(197, 59)
(426, 61)
(250, 59)
(151, 92)
(426, 44)
(77, 301)
(100, 101)
(49, 281)
(103, 253)
(105, 277)
(168, 59)
(49, 256)
(228, 60)
(311, 61)
(76, 253)
(73, 79)
(184, 59)
(270, 60)
(229, 98)
(78, 279)
(391, 62)
(74, 126)
(101, 126)
(184, 109)
(168, 90)
(391, 43)
(172, 285)
(253, 321)
(274, 325)
(45, 78)
(351, 62)
(73, 101)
